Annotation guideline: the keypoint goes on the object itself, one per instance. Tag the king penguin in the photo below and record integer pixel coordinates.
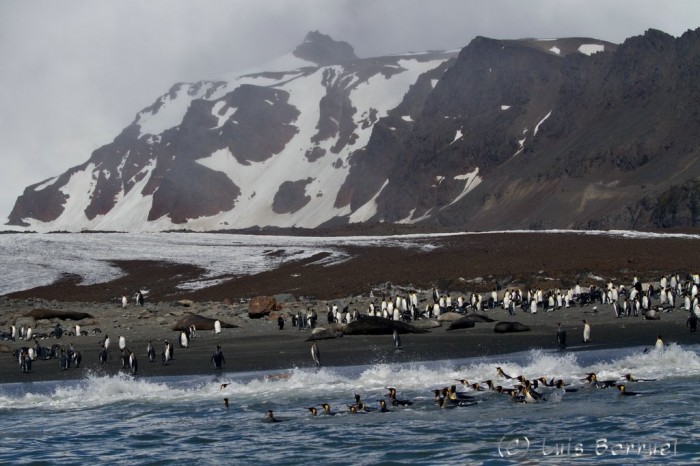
(316, 354)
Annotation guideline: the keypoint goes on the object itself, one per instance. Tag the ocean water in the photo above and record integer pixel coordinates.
(183, 420)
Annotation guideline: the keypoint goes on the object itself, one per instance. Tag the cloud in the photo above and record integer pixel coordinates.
(76, 72)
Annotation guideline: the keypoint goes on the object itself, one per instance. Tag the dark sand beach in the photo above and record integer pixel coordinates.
(460, 265)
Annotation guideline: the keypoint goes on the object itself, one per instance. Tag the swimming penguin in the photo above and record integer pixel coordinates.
(395, 401)
(316, 354)
(631, 378)
(594, 382)
(500, 372)
(223, 385)
(270, 417)
(226, 402)
(217, 327)
(586, 331)
(313, 411)
(327, 409)
(122, 343)
(151, 352)
(625, 392)
(382, 407)
(183, 340)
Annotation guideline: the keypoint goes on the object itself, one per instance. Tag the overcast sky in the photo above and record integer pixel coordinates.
(74, 73)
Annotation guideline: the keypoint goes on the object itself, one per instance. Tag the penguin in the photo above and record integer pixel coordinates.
(103, 356)
(77, 358)
(105, 343)
(13, 333)
(151, 352)
(659, 345)
(500, 372)
(183, 340)
(594, 382)
(218, 358)
(77, 330)
(395, 401)
(382, 407)
(193, 332)
(631, 378)
(63, 360)
(122, 343)
(133, 363)
(397, 340)
(586, 331)
(223, 385)
(217, 327)
(124, 302)
(561, 337)
(270, 417)
(316, 354)
(29, 332)
(327, 409)
(623, 391)
(165, 355)
(313, 411)
(226, 402)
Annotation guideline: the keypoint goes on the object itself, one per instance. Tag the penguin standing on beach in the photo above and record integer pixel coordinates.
(105, 343)
(183, 340)
(397, 340)
(561, 337)
(122, 343)
(218, 358)
(151, 352)
(217, 327)
(316, 354)
(166, 355)
(659, 345)
(124, 302)
(586, 331)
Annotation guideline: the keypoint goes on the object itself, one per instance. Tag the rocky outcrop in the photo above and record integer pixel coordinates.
(261, 306)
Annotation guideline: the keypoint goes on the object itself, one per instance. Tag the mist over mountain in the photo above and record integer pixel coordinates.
(502, 134)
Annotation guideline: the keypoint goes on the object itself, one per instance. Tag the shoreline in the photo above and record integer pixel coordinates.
(461, 265)
(258, 346)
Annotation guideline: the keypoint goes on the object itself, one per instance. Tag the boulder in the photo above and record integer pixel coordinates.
(510, 327)
(261, 306)
(464, 322)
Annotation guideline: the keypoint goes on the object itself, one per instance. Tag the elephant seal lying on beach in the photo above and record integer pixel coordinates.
(464, 322)
(199, 322)
(321, 333)
(368, 325)
(510, 327)
(39, 314)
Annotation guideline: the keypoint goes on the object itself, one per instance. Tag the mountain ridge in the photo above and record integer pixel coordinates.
(494, 136)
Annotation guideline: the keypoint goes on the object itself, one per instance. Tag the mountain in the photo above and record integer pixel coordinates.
(503, 134)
